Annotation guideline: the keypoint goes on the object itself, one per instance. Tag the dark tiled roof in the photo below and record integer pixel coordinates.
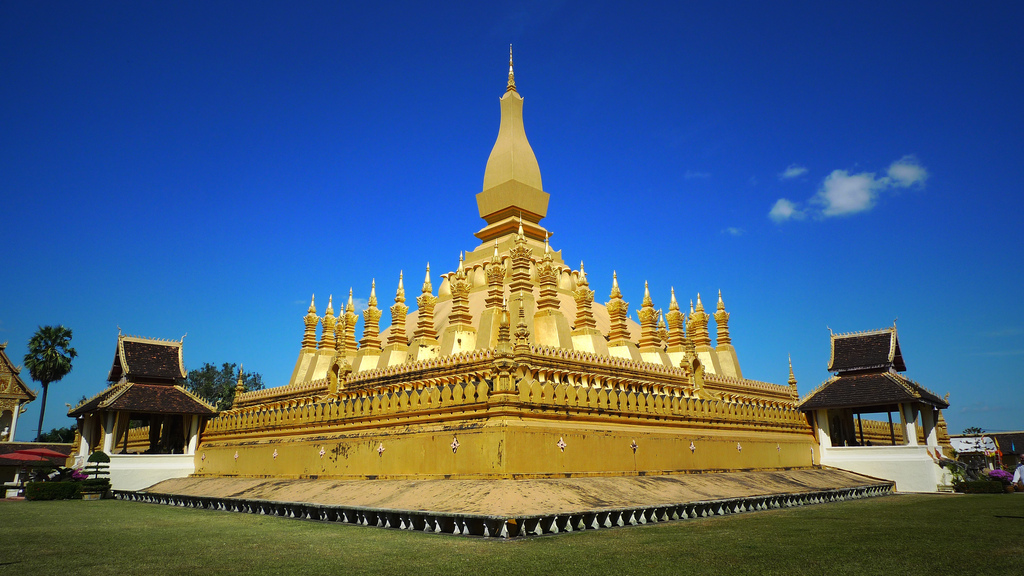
(146, 398)
(146, 359)
(866, 390)
(1008, 442)
(879, 349)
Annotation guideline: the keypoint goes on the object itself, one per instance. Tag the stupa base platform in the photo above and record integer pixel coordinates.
(514, 508)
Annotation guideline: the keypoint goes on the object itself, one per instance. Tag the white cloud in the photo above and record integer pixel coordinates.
(733, 231)
(792, 171)
(785, 210)
(693, 174)
(843, 193)
(907, 171)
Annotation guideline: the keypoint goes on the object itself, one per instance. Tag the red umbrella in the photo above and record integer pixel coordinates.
(14, 459)
(42, 452)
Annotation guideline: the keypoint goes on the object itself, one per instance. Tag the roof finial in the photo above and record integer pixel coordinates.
(312, 306)
(547, 245)
(511, 76)
(427, 288)
(520, 224)
(372, 302)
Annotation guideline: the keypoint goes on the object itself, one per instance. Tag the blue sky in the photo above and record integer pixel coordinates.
(202, 168)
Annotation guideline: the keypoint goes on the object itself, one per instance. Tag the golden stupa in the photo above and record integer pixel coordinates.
(511, 370)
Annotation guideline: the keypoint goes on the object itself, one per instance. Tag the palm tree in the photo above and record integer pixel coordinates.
(48, 360)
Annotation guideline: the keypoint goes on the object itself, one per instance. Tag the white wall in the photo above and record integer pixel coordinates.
(910, 467)
(135, 472)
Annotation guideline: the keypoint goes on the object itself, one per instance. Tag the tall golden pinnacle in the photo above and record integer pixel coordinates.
(398, 312)
(327, 340)
(425, 317)
(511, 76)
(310, 319)
(512, 183)
(495, 280)
(350, 326)
(699, 321)
(371, 321)
(617, 312)
(722, 321)
(792, 381)
(460, 287)
(240, 385)
(676, 320)
(648, 319)
(547, 277)
(522, 330)
(584, 297)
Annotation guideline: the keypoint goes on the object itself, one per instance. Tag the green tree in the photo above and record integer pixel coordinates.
(48, 360)
(218, 384)
(59, 435)
(973, 431)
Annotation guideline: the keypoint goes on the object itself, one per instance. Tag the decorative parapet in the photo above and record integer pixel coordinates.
(549, 379)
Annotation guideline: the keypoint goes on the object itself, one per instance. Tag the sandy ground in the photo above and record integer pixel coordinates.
(518, 497)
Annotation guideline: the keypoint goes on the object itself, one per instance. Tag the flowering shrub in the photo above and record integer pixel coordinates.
(1001, 475)
(78, 474)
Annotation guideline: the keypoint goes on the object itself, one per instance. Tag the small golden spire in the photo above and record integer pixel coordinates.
(647, 296)
(330, 305)
(427, 288)
(721, 305)
(511, 76)
(673, 305)
(700, 306)
(496, 258)
(460, 270)
(400, 293)
(616, 293)
(312, 304)
(373, 293)
(520, 226)
(547, 245)
(351, 307)
(792, 378)
(583, 275)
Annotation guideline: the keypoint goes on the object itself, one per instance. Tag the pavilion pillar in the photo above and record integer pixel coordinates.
(909, 419)
(931, 436)
(108, 433)
(14, 421)
(824, 434)
(193, 434)
(84, 448)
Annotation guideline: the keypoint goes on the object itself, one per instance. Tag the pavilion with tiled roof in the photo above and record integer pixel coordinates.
(145, 386)
(867, 380)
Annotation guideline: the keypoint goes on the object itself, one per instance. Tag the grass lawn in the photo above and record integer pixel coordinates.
(893, 535)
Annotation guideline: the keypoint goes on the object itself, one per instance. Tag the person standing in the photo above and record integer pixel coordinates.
(1018, 474)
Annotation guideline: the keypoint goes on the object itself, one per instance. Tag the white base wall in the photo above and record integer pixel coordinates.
(910, 467)
(136, 472)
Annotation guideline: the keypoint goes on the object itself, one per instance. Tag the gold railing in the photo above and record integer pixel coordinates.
(543, 389)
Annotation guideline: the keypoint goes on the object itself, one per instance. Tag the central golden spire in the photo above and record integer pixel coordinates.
(512, 183)
(511, 75)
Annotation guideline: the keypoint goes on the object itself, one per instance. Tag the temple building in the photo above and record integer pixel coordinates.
(145, 419)
(868, 382)
(14, 395)
(510, 368)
